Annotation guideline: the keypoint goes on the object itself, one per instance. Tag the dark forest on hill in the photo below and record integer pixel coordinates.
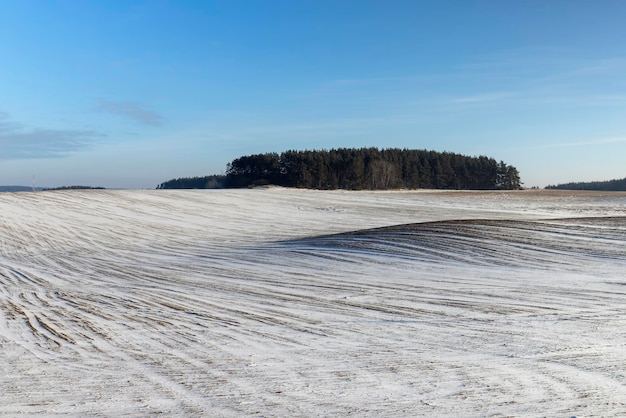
(610, 185)
(360, 169)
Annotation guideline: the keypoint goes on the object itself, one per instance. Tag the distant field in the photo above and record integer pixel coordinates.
(284, 302)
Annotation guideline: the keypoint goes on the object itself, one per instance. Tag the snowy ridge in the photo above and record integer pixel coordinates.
(566, 242)
(267, 302)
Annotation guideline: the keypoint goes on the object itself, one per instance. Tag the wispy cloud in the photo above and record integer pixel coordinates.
(596, 141)
(598, 68)
(546, 70)
(5, 123)
(136, 112)
(584, 100)
(18, 141)
(480, 98)
(373, 80)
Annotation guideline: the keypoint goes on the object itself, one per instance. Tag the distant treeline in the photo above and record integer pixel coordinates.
(75, 188)
(16, 189)
(30, 189)
(360, 169)
(207, 182)
(610, 185)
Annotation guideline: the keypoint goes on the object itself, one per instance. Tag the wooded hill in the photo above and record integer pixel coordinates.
(361, 169)
(610, 185)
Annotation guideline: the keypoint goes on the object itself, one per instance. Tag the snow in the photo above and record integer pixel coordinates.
(282, 302)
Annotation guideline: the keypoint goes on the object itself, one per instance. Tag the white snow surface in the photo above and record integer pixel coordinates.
(283, 302)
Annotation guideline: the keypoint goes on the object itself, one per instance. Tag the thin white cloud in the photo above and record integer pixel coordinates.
(480, 98)
(544, 70)
(599, 68)
(372, 80)
(584, 100)
(136, 112)
(579, 143)
(597, 141)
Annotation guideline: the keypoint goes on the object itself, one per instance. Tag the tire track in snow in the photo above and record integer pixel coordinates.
(140, 303)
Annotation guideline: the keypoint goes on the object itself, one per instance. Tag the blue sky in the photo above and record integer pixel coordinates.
(128, 94)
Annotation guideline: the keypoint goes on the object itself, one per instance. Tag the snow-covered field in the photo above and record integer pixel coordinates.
(276, 302)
